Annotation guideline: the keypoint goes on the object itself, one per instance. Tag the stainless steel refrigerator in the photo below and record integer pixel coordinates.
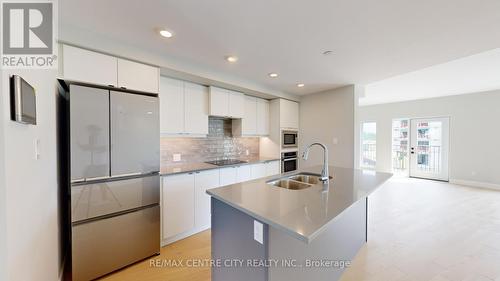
(109, 141)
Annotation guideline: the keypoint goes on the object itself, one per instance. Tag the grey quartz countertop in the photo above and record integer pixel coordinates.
(301, 213)
(201, 166)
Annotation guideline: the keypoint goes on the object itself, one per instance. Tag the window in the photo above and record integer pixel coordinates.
(368, 145)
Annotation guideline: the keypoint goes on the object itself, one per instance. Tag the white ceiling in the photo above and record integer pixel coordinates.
(476, 73)
(370, 40)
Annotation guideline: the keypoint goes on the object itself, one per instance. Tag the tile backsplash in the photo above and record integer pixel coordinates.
(219, 144)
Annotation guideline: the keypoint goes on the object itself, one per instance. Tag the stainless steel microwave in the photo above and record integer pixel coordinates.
(289, 139)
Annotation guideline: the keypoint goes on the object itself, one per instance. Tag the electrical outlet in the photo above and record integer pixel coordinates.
(258, 232)
(335, 141)
(247, 152)
(176, 157)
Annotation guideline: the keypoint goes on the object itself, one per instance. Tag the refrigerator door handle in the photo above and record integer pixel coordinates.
(80, 180)
(127, 175)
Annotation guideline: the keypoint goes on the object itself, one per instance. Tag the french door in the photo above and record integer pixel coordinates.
(429, 146)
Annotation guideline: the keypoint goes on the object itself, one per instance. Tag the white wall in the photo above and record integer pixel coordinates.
(3, 226)
(474, 132)
(323, 117)
(31, 191)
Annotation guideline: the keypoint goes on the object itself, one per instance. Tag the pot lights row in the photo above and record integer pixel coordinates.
(231, 59)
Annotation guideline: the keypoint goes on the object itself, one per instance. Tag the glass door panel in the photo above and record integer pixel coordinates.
(429, 148)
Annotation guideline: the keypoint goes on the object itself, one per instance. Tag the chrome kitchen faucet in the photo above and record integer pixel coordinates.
(324, 173)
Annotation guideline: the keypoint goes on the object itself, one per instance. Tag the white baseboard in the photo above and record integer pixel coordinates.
(183, 235)
(479, 184)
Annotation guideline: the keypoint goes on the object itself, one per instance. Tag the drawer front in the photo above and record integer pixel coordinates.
(104, 198)
(102, 246)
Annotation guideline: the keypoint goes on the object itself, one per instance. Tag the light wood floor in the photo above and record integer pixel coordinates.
(196, 247)
(418, 230)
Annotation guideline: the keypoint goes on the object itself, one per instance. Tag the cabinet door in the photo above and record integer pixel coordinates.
(196, 109)
(236, 104)
(87, 66)
(289, 114)
(249, 120)
(219, 102)
(228, 176)
(258, 170)
(273, 168)
(171, 106)
(138, 76)
(203, 181)
(89, 119)
(244, 173)
(178, 204)
(135, 134)
(262, 117)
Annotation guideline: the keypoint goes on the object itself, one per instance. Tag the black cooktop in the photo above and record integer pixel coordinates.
(226, 162)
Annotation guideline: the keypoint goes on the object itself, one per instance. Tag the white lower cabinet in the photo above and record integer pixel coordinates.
(258, 170)
(177, 204)
(202, 181)
(185, 203)
(273, 168)
(244, 173)
(228, 176)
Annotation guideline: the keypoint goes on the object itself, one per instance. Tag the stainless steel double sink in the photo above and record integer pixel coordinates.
(297, 181)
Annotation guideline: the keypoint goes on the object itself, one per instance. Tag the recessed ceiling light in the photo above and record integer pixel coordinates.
(300, 85)
(231, 58)
(166, 33)
(273, 75)
(326, 53)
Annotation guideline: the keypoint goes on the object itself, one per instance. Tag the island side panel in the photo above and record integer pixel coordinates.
(340, 241)
(232, 241)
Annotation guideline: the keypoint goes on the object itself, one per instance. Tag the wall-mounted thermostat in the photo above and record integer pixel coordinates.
(22, 101)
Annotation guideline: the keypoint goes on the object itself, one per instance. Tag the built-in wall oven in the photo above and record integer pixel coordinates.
(289, 161)
(289, 139)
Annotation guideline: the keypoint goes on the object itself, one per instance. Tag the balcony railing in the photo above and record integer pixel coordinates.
(429, 158)
(399, 157)
(369, 154)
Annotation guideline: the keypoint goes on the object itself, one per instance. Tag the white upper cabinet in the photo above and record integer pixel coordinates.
(195, 109)
(255, 121)
(262, 117)
(289, 114)
(226, 103)
(236, 104)
(249, 120)
(219, 102)
(171, 106)
(87, 66)
(96, 68)
(183, 108)
(137, 76)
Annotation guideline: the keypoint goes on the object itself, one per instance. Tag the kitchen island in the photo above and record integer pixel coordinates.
(265, 232)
